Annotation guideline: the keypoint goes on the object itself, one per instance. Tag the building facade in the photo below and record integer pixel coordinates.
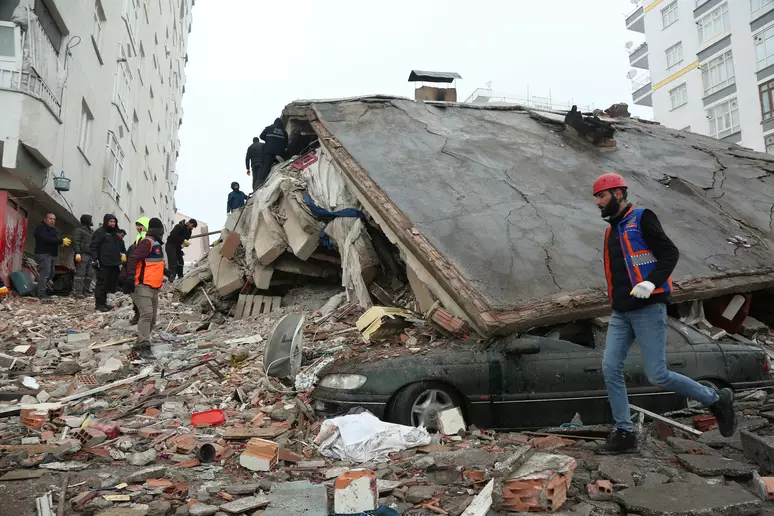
(707, 66)
(91, 90)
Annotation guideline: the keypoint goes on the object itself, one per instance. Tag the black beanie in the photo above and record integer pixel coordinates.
(155, 223)
(86, 220)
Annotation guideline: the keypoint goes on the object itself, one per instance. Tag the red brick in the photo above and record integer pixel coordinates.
(289, 456)
(663, 430)
(549, 442)
(148, 432)
(705, 423)
(601, 490)
(152, 412)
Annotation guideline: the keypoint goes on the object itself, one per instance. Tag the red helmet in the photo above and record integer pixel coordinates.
(608, 181)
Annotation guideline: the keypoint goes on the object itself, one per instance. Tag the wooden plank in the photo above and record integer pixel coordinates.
(482, 502)
(248, 306)
(257, 301)
(266, 305)
(271, 432)
(144, 374)
(276, 302)
(32, 449)
(240, 307)
(666, 420)
(22, 474)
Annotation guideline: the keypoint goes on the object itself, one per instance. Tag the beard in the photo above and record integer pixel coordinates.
(611, 208)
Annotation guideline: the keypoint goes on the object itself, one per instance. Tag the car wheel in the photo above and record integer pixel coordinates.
(419, 404)
(693, 404)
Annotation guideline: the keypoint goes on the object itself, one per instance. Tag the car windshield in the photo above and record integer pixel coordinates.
(578, 332)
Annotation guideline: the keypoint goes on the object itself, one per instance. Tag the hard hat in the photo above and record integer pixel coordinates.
(608, 181)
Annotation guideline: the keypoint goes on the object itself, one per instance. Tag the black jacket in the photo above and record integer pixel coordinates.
(105, 245)
(254, 153)
(82, 239)
(276, 139)
(236, 199)
(663, 249)
(179, 234)
(47, 240)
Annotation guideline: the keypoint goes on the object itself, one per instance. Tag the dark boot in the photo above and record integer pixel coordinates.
(102, 308)
(619, 441)
(134, 320)
(723, 410)
(145, 352)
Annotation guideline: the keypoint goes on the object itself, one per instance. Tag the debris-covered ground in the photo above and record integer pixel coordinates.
(203, 430)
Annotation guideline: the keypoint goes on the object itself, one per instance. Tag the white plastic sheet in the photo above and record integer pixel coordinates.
(364, 437)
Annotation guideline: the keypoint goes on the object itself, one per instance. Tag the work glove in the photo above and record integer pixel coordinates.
(77, 258)
(66, 242)
(643, 290)
(123, 258)
(186, 243)
(3, 291)
(248, 171)
(96, 265)
(128, 287)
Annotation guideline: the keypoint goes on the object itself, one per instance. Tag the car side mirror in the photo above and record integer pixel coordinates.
(521, 347)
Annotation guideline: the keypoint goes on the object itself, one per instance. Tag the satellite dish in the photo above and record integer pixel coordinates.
(631, 74)
(629, 44)
(282, 354)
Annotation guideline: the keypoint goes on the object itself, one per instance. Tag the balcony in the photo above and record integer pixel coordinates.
(636, 20)
(32, 85)
(638, 57)
(642, 91)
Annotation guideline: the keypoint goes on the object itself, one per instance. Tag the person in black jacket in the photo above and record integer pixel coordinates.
(178, 238)
(253, 160)
(236, 198)
(47, 242)
(639, 259)
(276, 141)
(106, 249)
(83, 268)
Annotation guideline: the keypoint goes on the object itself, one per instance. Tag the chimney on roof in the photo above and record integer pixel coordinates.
(434, 93)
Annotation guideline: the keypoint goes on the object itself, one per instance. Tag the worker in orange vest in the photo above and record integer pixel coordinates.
(144, 277)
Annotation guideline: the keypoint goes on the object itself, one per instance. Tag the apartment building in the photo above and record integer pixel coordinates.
(707, 66)
(90, 91)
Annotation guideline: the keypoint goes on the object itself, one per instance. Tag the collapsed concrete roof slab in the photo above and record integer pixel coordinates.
(495, 202)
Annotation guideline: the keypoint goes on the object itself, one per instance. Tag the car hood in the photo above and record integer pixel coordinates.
(382, 362)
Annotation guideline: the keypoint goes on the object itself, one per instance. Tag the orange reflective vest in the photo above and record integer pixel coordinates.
(150, 270)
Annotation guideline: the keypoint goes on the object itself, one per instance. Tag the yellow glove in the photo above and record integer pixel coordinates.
(3, 291)
(66, 242)
(77, 258)
(248, 171)
(123, 258)
(186, 243)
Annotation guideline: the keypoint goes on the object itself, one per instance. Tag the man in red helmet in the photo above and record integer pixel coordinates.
(639, 260)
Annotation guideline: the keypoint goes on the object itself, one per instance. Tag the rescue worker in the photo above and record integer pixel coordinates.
(639, 259)
(276, 141)
(236, 198)
(47, 242)
(83, 268)
(141, 225)
(253, 160)
(145, 275)
(178, 238)
(105, 250)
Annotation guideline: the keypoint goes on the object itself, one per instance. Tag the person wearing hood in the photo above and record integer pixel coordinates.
(141, 225)
(179, 238)
(276, 141)
(106, 257)
(83, 268)
(144, 278)
(236, 198)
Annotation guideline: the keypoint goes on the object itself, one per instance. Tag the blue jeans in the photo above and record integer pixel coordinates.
(648, 325)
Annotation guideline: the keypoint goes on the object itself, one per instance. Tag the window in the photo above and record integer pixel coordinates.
(129, 197)
(713, 24)
(114, 166)
(131, 16)
(84, 127)
(674, 55)
(764, 47)
(679, 96)
(718, 73)
(47, 21)
(10, 45)
(669, 15)
(766, 92)
(150, 117)
(769, 144)
(123, 80)
(141, 63)
(723, 119)
(757, 6)
(99, 25)
(135, 128)
(155, 62)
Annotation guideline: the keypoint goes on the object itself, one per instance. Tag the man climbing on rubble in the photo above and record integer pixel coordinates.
(105, 251)
(236, 198)
(178, 238)
(639, 260)
(253, 160)
(144, 277)
(276, 139)
(83, 268)
(47, 242)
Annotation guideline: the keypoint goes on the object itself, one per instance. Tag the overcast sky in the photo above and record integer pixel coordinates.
(249, 58)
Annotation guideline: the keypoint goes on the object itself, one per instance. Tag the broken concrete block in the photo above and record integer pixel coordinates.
(764, 486)
(302, 243)
(600, 490)
(451, 422)
(711, 465)
(259, 455)
(43, 397)
(301, 497)
(758, 449)
(189, 282)
(202, 509)
(74, 338)
(425, 298)
(355, 492)
(226, 275)
(142, 458)
(540, 484)
(752, 326)
(269, 241)
(67, 368)
(262, 275)
(245, 504)
(418, 494)
(230, 245)
(138, 477)
(679, 499)
(293, 265)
